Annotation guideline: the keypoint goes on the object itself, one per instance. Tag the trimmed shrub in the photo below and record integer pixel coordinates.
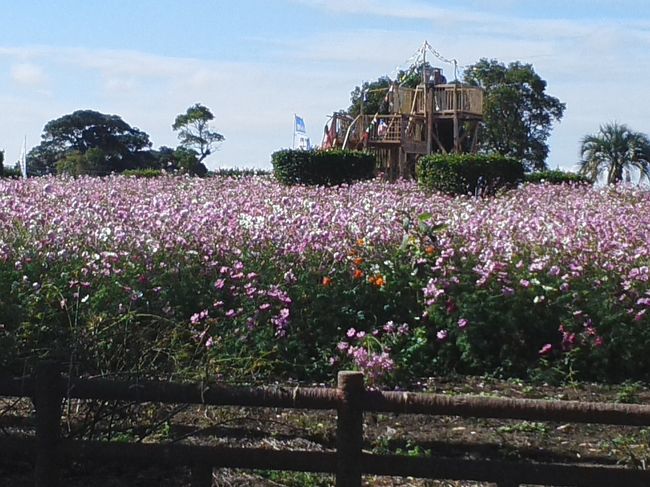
(473, 174)
(556, 177)
(323, 168)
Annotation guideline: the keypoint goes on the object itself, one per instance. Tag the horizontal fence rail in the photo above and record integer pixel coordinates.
(329, 398)
(47, 389)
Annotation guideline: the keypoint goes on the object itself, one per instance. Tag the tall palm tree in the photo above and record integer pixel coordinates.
(616, 149)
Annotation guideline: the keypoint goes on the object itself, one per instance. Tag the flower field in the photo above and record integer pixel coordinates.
(246, 279)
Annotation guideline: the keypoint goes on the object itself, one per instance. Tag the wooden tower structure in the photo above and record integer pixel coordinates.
(433, 117)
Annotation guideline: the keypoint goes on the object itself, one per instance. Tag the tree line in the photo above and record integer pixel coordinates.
(518, 116)
(87, 142)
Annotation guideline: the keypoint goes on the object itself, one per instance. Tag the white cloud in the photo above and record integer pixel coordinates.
(28, 75)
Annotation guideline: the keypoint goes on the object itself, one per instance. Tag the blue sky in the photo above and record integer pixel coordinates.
(254, 63)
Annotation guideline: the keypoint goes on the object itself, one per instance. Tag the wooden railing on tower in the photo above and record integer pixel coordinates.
(466, 101)
(386, 129)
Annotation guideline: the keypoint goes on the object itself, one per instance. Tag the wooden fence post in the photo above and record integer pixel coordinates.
(349, 429)
(47, 400)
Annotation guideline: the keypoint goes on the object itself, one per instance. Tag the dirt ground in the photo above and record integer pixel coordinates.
(414, 435)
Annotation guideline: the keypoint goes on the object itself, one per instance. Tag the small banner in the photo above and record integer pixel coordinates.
(299, 125)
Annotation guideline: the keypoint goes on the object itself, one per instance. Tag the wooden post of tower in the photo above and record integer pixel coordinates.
(456, 121)
(428, 112)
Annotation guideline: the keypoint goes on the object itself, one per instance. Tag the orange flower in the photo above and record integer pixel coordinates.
(372, 279)
(327, 281)
(379, 281)
(361, 242)
(358, 261)
(358, 274)
(429, 250)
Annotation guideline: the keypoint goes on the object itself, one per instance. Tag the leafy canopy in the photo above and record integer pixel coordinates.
(83, 130)
(518, 114)
(616, 150)
(194, 131)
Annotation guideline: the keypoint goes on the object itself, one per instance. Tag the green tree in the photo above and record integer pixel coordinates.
(188, 162)
(616, 150)
(93, 162)
(371, 95)
(518, 114)
(2, 167)
(194, 131)
(124, 147)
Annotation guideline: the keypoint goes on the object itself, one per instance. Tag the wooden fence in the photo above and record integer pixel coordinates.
(48, 388)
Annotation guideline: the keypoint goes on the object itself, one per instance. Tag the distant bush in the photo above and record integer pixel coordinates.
(143, 173)
(10, 172)
(237, 172)
(324, 168)
(556, 177)
(469, 173)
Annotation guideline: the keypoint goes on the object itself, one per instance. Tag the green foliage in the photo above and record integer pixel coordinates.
(77, 133)
(371, 96)
(518, 114)
(188, 162)
(629, 392)
(238, 172)
(616, 150)
(11, 172)
(8, 172)
(194, 132)
(327, 168)
(143, 173)
(91, 163)
(556, 177)
(468, 173)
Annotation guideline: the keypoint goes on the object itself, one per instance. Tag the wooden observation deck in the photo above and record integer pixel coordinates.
(423, 120)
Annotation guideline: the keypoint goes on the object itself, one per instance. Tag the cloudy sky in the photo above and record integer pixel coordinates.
(255, 63)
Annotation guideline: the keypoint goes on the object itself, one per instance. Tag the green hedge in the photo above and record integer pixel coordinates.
(469, 173)
(556, 177)
(326, 168)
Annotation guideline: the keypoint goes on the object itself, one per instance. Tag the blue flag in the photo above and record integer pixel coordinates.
(299, 125)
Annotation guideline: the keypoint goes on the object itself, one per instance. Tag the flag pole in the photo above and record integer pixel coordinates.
(23, 158)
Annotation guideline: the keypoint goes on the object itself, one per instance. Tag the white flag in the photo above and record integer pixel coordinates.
(303, 143)
(23, 159)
